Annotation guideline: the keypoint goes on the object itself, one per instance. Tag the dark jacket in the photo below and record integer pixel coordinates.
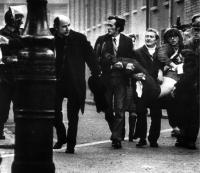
(193, 44)
(150, 63)
(104, 51)
(72, 52)
(150, 66)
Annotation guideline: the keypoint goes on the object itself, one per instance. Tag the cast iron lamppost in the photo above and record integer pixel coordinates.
(35, 94)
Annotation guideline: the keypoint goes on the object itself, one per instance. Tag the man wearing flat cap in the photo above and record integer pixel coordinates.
(73, 50)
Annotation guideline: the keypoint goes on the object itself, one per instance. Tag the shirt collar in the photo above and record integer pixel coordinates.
(150, 48)
(117, 37)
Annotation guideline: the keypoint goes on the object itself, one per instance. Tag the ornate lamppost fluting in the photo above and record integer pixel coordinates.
(35, 95)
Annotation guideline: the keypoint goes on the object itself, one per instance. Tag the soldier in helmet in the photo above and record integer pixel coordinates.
(187, 90)
(9, 57)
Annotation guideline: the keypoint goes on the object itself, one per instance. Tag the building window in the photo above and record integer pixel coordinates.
(100, 13)
(127, 5)
(79, 15)
(143, 2)
(84, 13)
(119, 6)
(106, 9)
(155, 3)
(94, 12)
(114, 5)
(88, 14)
(134, 4)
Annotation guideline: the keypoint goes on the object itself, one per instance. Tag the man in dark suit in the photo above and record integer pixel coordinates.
(72, 52)
(146, 56)
(111, 49)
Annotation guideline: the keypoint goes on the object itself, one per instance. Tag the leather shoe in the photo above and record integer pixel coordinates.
(58, 145)
(117, 145)
(70, 151)
(141, 143)
(180, 144)
(130, 139)
(135, 137)
(2, 137)
(154, 144)
(191, 145)
(113, 143)
(175, 133)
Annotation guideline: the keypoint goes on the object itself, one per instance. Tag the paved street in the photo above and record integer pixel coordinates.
(94, 152)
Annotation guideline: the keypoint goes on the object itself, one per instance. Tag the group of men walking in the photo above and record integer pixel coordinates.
(145, 78)
(152, 76)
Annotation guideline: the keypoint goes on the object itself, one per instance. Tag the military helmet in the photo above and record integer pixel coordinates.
(9, 18)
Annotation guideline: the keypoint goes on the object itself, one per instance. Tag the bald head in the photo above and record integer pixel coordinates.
(62, 24)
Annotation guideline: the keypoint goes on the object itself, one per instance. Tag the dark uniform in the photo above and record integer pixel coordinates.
(187, 91)
(7, 86)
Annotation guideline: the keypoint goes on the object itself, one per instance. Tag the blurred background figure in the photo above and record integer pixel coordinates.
(133, 37)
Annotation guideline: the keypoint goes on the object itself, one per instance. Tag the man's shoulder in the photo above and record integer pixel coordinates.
(4, 31)
(140, 49)
(77, 34)
(189, 43)
(123, 35)
(103, 37)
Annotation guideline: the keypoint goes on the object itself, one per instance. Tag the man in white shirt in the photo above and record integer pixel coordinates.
(146, 56)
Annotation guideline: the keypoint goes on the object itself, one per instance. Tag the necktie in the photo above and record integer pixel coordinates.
(114, 46)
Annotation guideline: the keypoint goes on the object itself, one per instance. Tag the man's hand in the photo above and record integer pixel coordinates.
(118, 65)
(130, 66)
(160, 76)
(3, 40)
(139, 76)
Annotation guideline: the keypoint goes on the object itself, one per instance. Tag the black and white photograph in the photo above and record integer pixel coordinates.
(99, 86)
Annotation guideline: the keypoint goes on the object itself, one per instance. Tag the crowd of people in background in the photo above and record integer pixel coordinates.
(123, 79)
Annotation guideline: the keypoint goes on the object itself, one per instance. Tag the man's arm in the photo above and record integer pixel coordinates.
(90, 57)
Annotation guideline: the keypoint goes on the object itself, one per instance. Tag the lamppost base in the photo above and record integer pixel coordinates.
(22, 167)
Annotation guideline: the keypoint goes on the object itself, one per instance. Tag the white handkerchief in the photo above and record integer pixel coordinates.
(119, 63)
(130, 66)
(1, 56)
(180, 69)
(139, 87)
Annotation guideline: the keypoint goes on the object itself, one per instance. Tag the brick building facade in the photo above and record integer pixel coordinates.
(191, 7)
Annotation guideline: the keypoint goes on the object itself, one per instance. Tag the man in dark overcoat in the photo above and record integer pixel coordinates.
(72, 52)
(146, 56)
(111, 49)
